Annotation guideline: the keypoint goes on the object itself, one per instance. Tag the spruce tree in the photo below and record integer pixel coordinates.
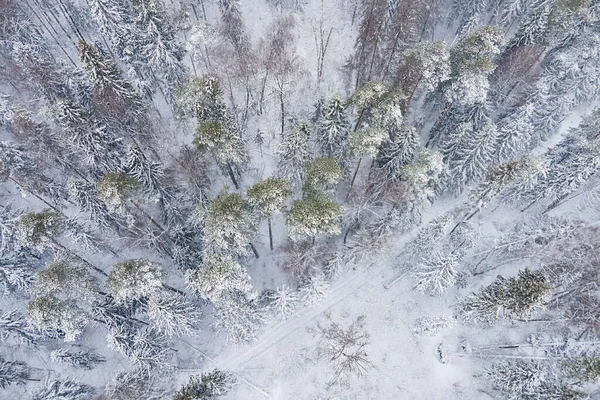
(13, 373)
(294, 154)
(333, 129)
(207, 386)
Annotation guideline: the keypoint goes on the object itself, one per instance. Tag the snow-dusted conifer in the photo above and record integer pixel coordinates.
(400, 150)
(517, 378)
(365, 142)
(427, 65)
(228, 224)
(48, 312)
(14, 324)
(115, 189)
(333, 129)
(65, 277)
(322, 175)
(207, 386)
(173, 315)
(268, 197)
(134, 279)
(219, 274)
(39, 229)
(436, 274)
(13, 373)
(83, 359)
(294, 153)
(314, 290)
(515, 297)
(64, 390)
(284, 302)
(151, 351)
(471, 60)
(239, 317)
(314, 215)
(104, 72)
(430, 235)
(85, 195)
(469, 154)
(148, 172)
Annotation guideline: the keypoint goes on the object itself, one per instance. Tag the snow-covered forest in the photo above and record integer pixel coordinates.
(299, 199)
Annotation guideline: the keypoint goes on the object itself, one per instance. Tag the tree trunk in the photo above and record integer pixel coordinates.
(355, 173)
(282, 105)
(254, 250)
(172, 289)
(270, 233)
(232, 176)
(71, 252)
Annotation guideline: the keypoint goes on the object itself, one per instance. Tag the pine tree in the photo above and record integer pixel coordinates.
(322, 175)
(115, 189)
(38, 229)
(314, 215)
(268, 197)
(207, 386)
(64, 390)
(228, 224)
(471, 60)
(294, 154)
(67, 278)
(134, 279)
(333, 129)
(13, 373)
(173, 314)
(515, 132)
(437, 273)
(85, 195)
(427, 65)
(83, 359)
(219, 274)
(48, 312)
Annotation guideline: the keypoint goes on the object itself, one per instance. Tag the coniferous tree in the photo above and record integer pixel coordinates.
(436, 273)
(510, 298)
(67, 278)
(314, 215)
(228, 224)
(48, 312)
(13, 373)
(207, 386)
(468, 154)
(219, 274)
(294, 153)
(322, 175)
(239, 317)
(333, 129)
(268, 197)
(396, 152)
(39, 229)
(134, 279)
(83, 359)
(173, 315)
(14, 324)
(65, 390)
